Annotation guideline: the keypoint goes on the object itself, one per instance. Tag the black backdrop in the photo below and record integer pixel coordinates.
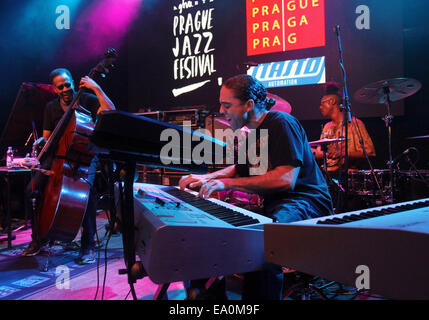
(369, 55)
(396, 45)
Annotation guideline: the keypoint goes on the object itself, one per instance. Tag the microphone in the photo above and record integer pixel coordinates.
(337, 29)
(251, 64)
(247, 65)
(402, 155)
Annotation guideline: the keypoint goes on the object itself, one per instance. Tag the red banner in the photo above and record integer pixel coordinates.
(284, 25)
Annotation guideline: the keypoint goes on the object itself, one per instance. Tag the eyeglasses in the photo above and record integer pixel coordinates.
(61, 86)
(323, 101)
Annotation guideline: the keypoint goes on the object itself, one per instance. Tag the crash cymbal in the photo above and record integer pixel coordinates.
(281, 104)
(418, 137)
(322, 142)
(397, 88)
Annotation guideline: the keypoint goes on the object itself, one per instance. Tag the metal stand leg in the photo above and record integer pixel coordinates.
(160, 293)
(8, 219)
(45, 268)
(127, 210)
(337, 185)
(388, 119)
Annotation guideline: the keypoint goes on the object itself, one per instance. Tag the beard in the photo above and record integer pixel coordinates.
(238, 123)
(67, 96)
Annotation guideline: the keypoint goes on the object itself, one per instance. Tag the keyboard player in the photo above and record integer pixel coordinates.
(293, 187)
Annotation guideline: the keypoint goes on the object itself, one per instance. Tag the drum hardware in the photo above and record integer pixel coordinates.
(347, 118)
(385, 92)
(418, 137)
(413, 174)
(323, 144)
(347, 114)
(360, 183)
(364, 182)
(397, 89)
(413, 184)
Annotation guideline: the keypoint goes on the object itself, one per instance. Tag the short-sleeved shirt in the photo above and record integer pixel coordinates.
(356, 128)
(288, 146)
(53, 111)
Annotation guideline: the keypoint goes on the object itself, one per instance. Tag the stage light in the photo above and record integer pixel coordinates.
(100, 25)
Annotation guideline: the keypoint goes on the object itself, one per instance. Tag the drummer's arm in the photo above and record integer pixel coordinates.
(367, 142)
(317, 151)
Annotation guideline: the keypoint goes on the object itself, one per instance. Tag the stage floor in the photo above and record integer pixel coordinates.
(23, 278)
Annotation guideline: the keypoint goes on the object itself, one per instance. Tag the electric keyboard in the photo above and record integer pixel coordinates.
(384, 249)
(121, 135)
(180, 236)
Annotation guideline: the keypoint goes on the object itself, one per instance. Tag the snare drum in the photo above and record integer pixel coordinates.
(362, 182)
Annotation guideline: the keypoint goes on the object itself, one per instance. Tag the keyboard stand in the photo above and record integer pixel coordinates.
(134, 270)
(127, 217)
(160, 293)
(126, 202)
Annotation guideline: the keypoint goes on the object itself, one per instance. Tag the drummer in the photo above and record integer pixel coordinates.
(330, 107)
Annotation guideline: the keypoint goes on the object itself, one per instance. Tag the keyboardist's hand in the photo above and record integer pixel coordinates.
(211, 186)
(193, 181)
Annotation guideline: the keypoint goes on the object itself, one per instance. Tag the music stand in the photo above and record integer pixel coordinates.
(26, 117)
(24, 122)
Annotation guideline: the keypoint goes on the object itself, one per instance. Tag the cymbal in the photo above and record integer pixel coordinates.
(418, 137)
(398, 88)
(322, 142)
(281, 104)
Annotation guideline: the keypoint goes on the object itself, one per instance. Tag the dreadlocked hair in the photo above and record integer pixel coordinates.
(247, 87)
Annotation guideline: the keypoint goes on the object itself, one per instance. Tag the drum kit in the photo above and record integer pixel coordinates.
(377, 186)
(384, 185)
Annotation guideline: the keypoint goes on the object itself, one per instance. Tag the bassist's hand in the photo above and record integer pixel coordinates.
(39, 142)
(88, 83)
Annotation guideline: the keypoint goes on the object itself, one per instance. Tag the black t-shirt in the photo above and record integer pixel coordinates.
(288, 146)
(54, 112)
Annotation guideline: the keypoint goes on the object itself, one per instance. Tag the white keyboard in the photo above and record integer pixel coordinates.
(182, 237)
(389, 242)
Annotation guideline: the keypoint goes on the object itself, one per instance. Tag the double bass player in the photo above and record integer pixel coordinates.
(64, 87)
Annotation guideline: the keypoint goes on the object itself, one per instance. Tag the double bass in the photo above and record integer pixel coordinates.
(66, 159)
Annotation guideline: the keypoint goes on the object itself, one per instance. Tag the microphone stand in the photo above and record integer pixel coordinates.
(388, 119)
(346, 119)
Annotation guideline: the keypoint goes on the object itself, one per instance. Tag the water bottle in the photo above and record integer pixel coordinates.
(9, 157)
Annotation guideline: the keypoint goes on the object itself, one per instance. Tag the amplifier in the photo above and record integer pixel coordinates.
(156, 115)
(194, 116)
(214, 122)
(179, 116)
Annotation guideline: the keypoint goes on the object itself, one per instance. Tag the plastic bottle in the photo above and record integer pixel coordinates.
(9, 157)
